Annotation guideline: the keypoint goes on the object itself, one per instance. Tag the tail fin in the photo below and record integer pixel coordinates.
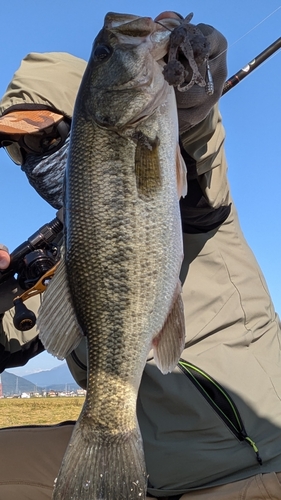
(100, 466)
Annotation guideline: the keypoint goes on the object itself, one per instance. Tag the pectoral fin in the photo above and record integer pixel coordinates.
(169, 343)
(58, 337)
(147, 165)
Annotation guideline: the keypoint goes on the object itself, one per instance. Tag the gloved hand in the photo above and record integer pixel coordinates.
(195, 104)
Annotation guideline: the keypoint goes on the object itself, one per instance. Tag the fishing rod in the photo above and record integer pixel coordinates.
(242, 73)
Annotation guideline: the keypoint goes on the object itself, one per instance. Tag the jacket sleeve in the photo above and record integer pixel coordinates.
(207, 203)
(17, 347)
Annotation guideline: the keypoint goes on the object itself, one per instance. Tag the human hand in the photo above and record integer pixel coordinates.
(195, 104)
(4, 257)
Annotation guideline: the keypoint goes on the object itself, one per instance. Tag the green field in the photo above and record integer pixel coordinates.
(39, 411)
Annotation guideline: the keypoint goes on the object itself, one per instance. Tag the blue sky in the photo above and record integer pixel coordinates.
(251, 111)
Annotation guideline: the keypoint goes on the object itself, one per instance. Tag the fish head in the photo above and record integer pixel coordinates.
(125, 67)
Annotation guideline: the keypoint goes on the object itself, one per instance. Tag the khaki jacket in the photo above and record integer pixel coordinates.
(233, 334)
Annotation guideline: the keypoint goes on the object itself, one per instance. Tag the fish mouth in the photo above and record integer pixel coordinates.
(128, 24)
(125, 22)
(124, 25)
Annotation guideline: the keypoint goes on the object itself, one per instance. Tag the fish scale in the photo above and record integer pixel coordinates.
(122, 254)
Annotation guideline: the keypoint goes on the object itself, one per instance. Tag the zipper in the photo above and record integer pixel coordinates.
(220, 401)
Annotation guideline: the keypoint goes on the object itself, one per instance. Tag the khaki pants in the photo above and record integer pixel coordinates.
(260, 487)
(30, 458)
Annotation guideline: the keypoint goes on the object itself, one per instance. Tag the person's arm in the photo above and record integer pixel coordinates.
(202, 135)
(201, 131)
(205, 155)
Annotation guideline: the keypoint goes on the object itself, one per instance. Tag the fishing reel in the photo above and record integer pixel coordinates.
(35, 264)
(32, 266)
(36, 269)
(25, 319)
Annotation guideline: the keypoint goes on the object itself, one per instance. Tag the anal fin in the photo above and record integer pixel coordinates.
(169, 343)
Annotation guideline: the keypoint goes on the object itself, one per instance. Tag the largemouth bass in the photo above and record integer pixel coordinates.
(118, 280)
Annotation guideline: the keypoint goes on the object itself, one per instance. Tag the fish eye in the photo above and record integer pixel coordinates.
(102, 52)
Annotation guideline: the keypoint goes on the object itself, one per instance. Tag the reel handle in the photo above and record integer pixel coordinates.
(24, 318)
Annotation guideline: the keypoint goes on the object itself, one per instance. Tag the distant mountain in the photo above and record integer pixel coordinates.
(59, 376)
(12, 384)
(57, 379)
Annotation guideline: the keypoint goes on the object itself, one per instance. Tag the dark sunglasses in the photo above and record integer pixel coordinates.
(41, 143)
